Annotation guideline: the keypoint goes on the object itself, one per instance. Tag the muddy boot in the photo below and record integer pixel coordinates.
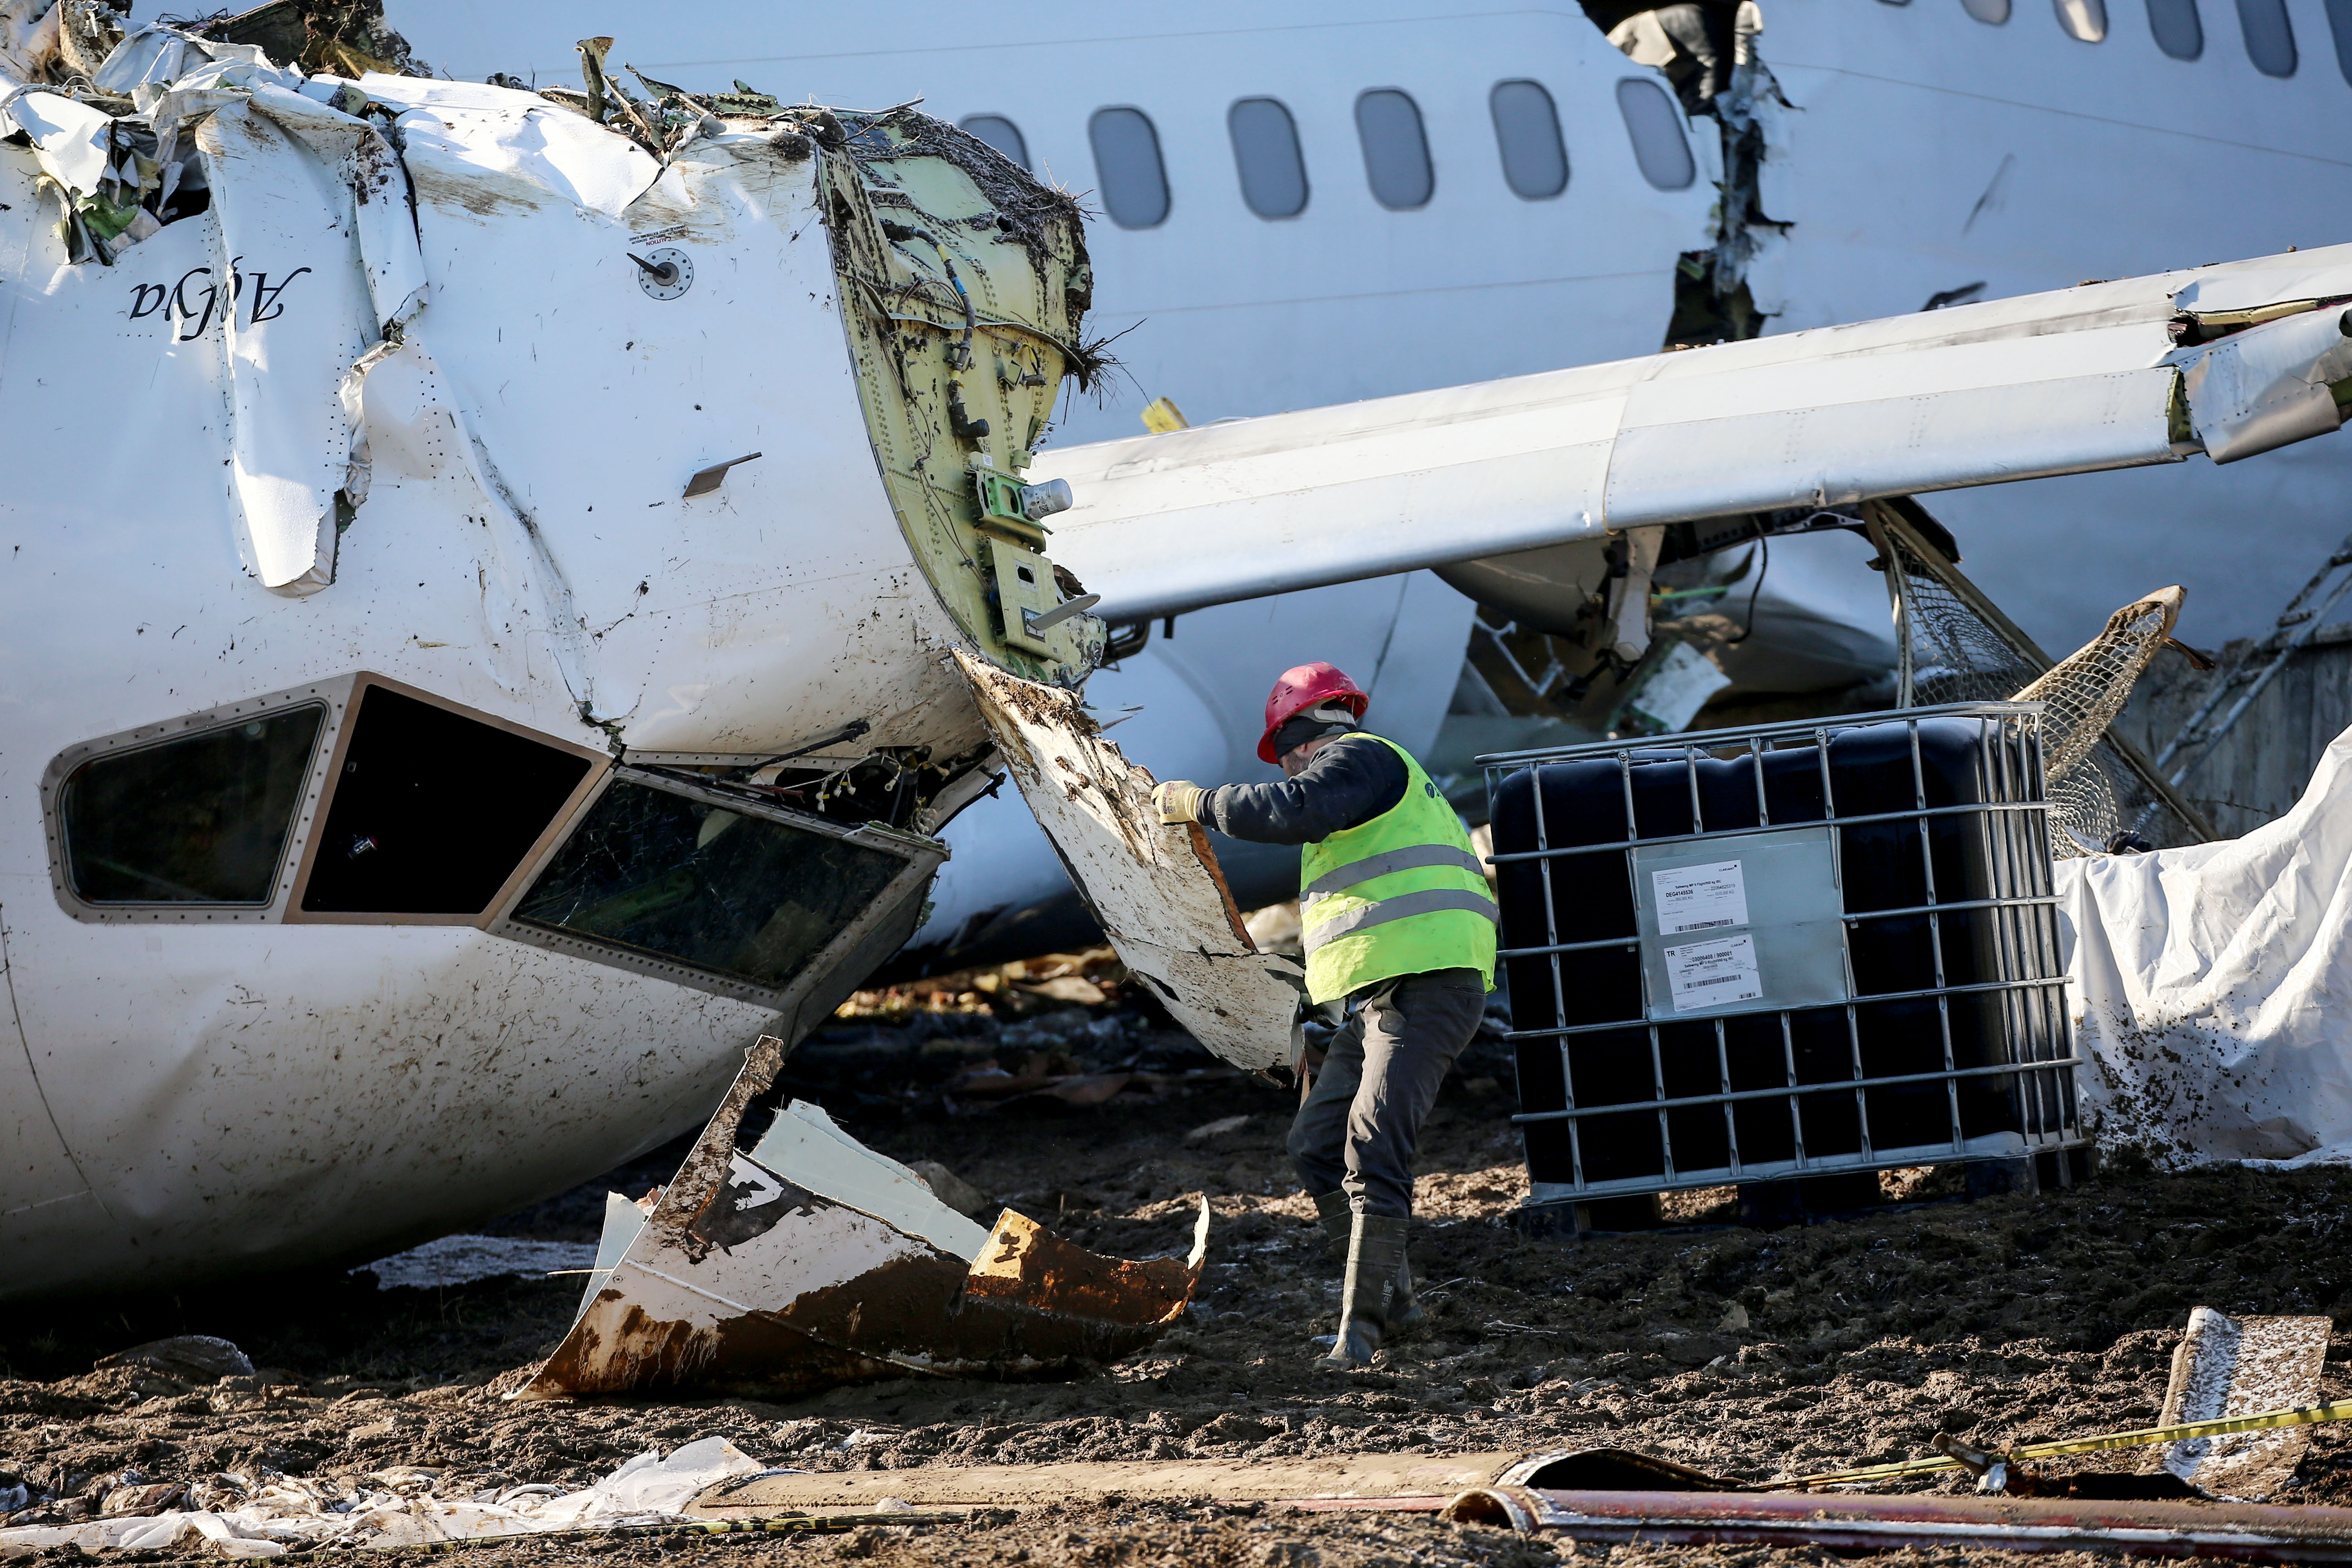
(1404, 1314)
(1331, 1212)
(1375, 1253)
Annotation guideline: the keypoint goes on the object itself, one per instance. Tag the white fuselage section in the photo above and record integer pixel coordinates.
(199, 1089)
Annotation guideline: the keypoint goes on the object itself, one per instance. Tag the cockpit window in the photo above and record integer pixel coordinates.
(678, 876)
(198, 819)
(432, 810)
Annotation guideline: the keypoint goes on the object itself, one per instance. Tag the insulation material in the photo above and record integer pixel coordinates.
(2212, 985)
(835, 1265)
(2227, 1367)
(1155, 888)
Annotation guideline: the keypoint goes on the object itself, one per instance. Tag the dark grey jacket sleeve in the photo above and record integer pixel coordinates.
(1351, 781)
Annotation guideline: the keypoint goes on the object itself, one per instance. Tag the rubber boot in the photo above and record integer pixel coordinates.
(1404, 1314)
(1375, 1253)
(1331, 1212)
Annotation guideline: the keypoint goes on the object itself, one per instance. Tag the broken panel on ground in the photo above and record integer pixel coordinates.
(787, 1257)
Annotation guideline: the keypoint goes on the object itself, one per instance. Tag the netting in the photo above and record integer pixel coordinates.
(1952, 650)
(2082, 692)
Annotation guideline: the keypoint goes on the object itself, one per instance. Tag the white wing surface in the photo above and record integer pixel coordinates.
(2105, 375)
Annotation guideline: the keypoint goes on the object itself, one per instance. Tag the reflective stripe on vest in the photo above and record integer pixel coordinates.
(1403, 906)
(1400, 894)
(1410, 859)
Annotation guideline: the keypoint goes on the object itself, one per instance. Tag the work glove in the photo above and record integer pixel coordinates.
(1177, 800)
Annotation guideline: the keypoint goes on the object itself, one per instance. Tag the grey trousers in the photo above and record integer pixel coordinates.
(1361, 1119)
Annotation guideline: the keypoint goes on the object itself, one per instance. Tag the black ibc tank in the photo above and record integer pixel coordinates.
(1884, 866)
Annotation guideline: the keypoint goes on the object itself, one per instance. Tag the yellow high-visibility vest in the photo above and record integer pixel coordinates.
(1402, 894)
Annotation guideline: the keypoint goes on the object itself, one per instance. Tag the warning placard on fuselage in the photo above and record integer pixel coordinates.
(1772, 912)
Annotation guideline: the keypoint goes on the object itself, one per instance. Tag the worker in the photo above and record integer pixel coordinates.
(1396, 920)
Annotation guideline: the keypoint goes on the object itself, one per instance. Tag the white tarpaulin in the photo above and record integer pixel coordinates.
(2212, 987)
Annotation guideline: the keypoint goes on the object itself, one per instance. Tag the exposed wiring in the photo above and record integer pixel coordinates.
(1763, 564)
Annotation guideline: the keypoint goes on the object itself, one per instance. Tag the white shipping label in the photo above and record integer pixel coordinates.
(1714, 973)
(1700, 898)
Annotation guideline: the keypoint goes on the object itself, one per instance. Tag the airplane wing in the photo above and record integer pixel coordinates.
(2229, 360)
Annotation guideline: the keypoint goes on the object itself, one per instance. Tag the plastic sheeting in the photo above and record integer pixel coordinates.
(2212, 987)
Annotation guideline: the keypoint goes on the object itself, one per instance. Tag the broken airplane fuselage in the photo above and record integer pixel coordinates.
(423, 780)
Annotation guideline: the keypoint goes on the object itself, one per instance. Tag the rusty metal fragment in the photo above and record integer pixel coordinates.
(1155, 889)
(787, 1257)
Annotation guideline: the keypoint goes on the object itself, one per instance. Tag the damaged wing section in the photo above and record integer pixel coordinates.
(799, 1260)
(1155, 889)
(2229, 360)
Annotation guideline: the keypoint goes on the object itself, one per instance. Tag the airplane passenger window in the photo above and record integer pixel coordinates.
(681, 878)
(2178, 31)
(1000, 133)
(2084, 19)
(1992, 13)
(2270, 36)
(1127, 162)
(432, 810)
(199, 819)
(2339, 23)
(1396, 152)
(1527, 133)
(1655, 125)
(1265, 154)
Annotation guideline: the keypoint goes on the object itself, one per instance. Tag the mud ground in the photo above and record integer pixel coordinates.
(1752, 1353)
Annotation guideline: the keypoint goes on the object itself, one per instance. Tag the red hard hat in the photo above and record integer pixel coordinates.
(1307, 685)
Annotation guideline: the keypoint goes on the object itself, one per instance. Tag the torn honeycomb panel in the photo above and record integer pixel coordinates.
(1155, 889)
(964, 284)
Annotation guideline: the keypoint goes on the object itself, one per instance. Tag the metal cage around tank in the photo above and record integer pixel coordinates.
(1783, 950)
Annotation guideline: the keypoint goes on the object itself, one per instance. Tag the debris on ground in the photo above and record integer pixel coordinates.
(2001, 1322)
(2236, 1367)
(454, 1260)
(785, 1257)
(199, 1357)
(268, 1514)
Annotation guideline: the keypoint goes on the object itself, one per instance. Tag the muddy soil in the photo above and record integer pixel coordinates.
(1752, 1353)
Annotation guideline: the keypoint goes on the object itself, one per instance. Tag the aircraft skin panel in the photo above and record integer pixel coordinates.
(40, 1173)
(342, 1091)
